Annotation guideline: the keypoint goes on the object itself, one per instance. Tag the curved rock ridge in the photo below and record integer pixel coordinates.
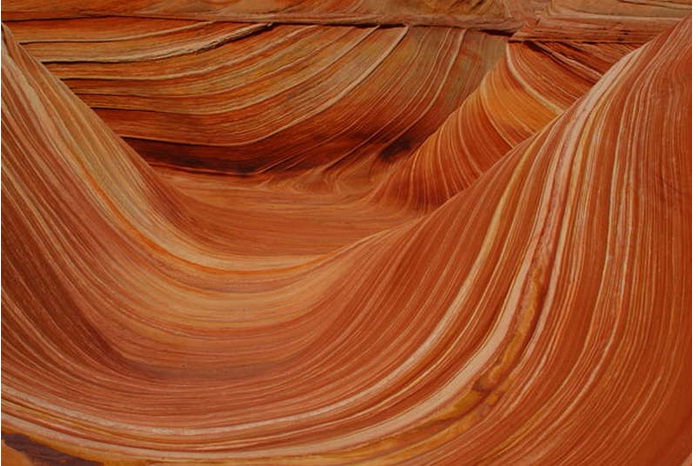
(538, 313)
(561, 51)
(245, 223)
(260, 98)
(532, 84)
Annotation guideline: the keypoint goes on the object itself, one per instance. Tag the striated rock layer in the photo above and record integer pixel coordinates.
(531, 85)
(271, 243)
(227, 96)
(505, 15)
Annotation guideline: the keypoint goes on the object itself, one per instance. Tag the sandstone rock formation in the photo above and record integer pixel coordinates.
(330, 233)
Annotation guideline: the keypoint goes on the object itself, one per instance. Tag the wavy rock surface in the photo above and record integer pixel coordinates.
(531, 305)
(291, 97)
(549, 63)
(532, 84)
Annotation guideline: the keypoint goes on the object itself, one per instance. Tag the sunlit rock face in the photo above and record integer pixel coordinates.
(320, 233)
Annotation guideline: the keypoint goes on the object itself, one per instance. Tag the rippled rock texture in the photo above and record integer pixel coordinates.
(323, 233)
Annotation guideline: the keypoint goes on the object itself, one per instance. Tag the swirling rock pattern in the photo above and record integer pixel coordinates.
(513, 101)
(422, 243)
(328, 95)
